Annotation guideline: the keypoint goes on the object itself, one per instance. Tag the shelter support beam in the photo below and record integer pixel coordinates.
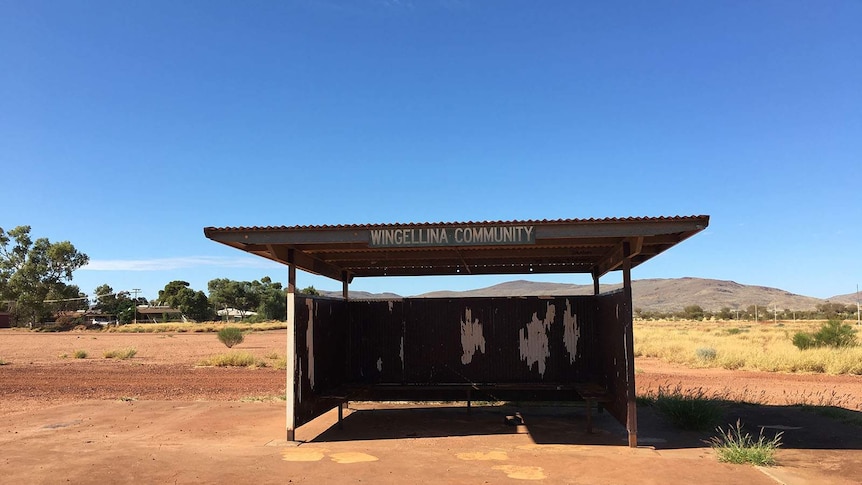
(596, 288)
(309, 263)
(624, 251)
(290, 397)
(345, 283)
(628, 336)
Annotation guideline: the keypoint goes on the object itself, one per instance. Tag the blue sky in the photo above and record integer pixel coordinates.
(127, 127)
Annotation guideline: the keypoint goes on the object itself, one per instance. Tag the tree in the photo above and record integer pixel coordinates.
(273, 301)
(30, 270)
(225, 293)
(67, 298)
(693, 312)
(193, 304)
(119, 304)
(265, 297)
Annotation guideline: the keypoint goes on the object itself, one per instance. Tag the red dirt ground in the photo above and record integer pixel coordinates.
(159, 417)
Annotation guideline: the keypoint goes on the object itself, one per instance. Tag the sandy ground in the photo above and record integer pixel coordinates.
(160, 418)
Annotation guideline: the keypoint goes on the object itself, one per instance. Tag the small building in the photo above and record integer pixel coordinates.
(84, 317)
(158, 314)
(5, 320)
(233, 314)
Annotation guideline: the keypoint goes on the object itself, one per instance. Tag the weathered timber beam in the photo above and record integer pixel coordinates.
(613, 259)
(305, 262)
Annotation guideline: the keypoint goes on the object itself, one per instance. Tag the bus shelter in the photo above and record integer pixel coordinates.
(525, 348)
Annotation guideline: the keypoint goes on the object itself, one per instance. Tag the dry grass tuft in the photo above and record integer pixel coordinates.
(121, 354)
(233, 359)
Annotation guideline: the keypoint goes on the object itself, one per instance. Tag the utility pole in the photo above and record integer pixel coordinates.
(857, 305)
(135, 303)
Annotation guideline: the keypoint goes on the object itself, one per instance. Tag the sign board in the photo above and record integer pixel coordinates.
(452, 236)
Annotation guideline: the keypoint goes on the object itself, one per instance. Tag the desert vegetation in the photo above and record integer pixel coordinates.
(686, 409)
(763, 346)
(245, 359)
(230, 336)
(735, 445)
(833, 333)
(121, 354)
(751, 313)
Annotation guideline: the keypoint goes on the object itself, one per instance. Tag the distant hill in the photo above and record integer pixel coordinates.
(661, 295)
(360, 295)
(848, 299)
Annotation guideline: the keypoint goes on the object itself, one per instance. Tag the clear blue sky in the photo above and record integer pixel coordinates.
(127, 127)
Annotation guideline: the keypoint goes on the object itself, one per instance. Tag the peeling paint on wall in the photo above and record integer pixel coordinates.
(401, 353)
(471, 337)
(380, 364)
(391, 305)
(571, 331)
(309, 341)
(299, 379)
(534, 340)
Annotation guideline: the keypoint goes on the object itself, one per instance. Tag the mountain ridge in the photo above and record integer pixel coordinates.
(651, 294)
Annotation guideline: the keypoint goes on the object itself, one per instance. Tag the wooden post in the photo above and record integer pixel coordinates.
(344, 284)
(290, 397)
(628, 337)
(596, 289)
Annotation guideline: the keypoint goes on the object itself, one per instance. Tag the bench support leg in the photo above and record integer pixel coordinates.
(469, 400)
(341, 415)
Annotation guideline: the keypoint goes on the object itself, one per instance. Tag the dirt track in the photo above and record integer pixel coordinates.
(179, 422)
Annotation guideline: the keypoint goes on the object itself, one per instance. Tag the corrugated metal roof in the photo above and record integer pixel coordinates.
(504, 247)
(459, 223)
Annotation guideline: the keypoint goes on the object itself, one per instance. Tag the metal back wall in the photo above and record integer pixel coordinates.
(321, 343)
(473, 340)
(612, 354)
(465, 340)
(375, 347)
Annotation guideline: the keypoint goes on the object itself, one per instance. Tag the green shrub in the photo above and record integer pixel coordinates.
(734, 331)
(690, 411)
(803, 340)
(123, 354)
(736, 446)
(705, 353)
(832, 334)
(230, 336)
(80, 354)
(835, 334)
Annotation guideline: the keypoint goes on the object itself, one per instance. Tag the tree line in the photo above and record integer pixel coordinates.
(35, 287)
(258, 300)
(822, 311)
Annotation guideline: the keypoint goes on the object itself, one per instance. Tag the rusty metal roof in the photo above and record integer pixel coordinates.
(345, 251)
